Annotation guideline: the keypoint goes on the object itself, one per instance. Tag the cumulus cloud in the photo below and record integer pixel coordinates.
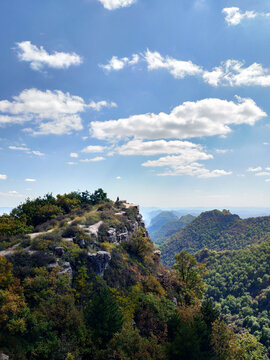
(39, 58)
(233, 73)
(206, 117)
(95, 159)
(118, 178)
(119, 63)
(179, 69)
(3, 177)
(93, 149)
(229, 73)
(115, 4)
(101, 104)
(30, 180)
(234, 16)
(52, 112)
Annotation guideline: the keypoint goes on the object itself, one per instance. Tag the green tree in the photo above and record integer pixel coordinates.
(190, 274)
(103, 316)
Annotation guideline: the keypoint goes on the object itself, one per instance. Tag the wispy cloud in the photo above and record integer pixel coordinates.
(254, 169)
(27, 150)
(39, 58)
(30, 180)
(95, 159)
(3, 177)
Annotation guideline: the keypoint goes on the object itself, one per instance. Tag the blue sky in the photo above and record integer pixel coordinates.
(162, 103)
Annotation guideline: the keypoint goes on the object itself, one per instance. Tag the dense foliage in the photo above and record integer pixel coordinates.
(216, 230)
(55, 304)
(239, 281)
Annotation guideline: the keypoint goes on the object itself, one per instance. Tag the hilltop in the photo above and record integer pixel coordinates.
(80, 279)
(216, 230)
(166, 224)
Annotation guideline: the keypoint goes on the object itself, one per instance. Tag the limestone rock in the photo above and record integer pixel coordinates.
(99, 261)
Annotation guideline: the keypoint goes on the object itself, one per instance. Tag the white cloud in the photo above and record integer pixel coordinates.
(12, 193)
(52, 112)
(223, 151)
(3, 177)
(228, 73)
(178, 166)
(119, 63)
(263, 173)
(39, 58)
(20, 148)
(118, 178)
(234, 16)
(37, 153)
(93, 149)
(71, 163)
(178, 68)
(268, 168)
(115, 4)
(95, 159)
(73, 155)
(150, 148)
(267, 180)
(30, 180)
(101, 104)
(206, 117)
(251, 169)
(233, 73)
(27, 150)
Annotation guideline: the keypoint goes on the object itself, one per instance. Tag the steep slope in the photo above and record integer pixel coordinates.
(239, 281)
(216, 230)
(169, 228)
(80, 279)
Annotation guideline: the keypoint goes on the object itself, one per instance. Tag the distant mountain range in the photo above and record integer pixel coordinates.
(166, 224)
(216, 230)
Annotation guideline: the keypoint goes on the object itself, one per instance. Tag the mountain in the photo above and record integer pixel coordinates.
(169, 228)
(80, 279)
(216, 230)
(159, 220)
(239, 281)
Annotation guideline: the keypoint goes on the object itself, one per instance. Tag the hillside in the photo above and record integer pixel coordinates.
(80, 279)
(216, 230)
(239, 281)
(169, 228)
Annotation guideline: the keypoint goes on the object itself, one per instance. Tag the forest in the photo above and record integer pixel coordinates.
(81, 279)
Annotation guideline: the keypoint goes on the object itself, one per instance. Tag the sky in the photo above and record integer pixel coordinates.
(162, 103)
